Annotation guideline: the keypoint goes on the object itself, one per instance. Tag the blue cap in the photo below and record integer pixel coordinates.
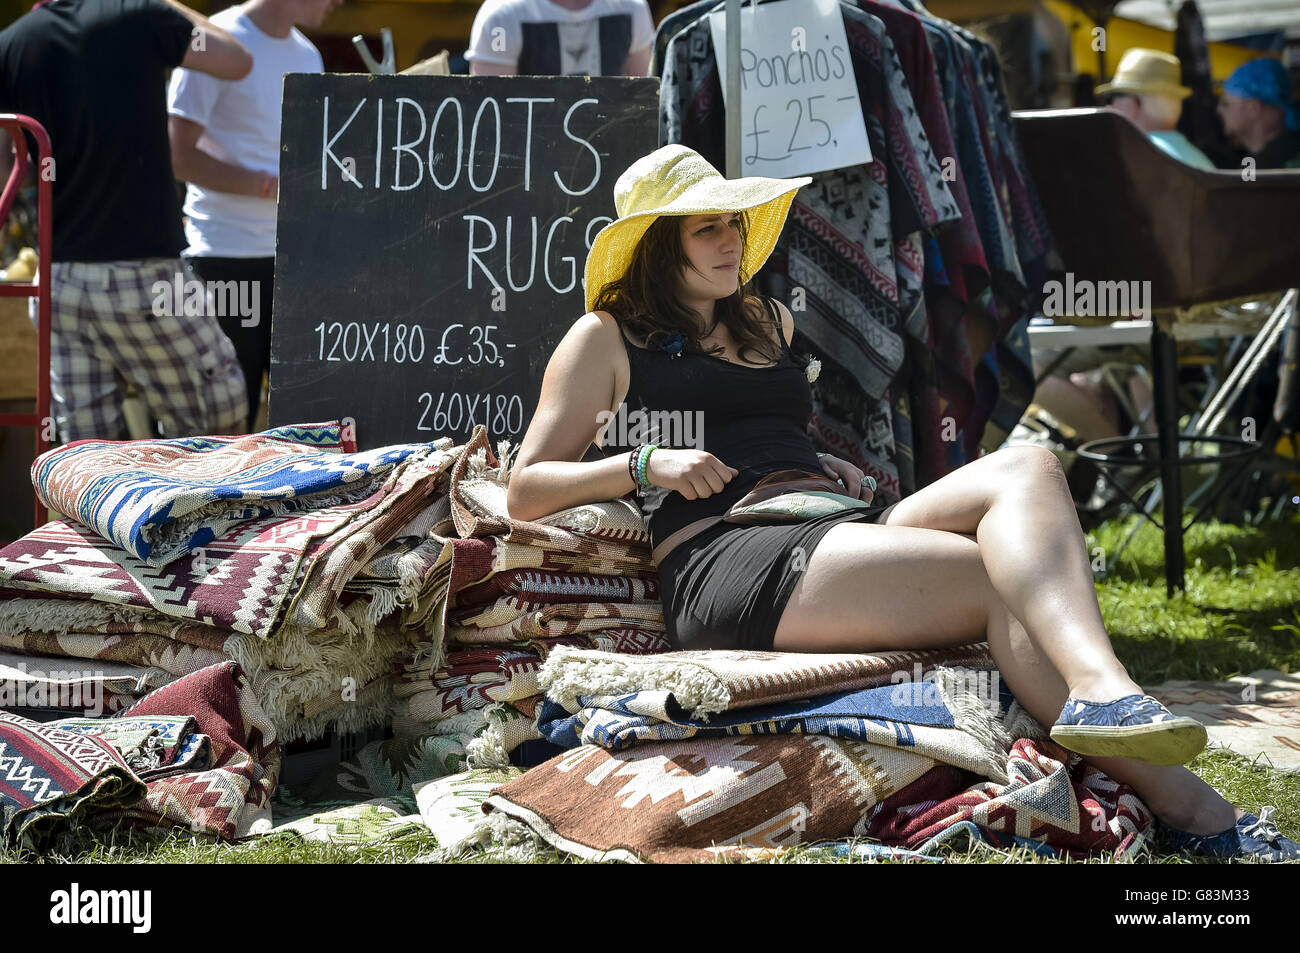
(1266, 80)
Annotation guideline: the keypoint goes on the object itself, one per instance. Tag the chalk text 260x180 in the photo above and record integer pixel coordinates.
(451, 412)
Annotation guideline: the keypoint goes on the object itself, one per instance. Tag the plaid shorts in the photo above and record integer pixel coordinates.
(105, 333)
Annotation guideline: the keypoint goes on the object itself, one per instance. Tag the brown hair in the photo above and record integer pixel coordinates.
(645, 297)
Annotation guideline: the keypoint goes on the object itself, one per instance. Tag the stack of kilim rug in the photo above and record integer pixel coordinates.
(51, 779)
(690, 756)
(1052, 802)
(198, 754)
(501, 594)
(287, 551)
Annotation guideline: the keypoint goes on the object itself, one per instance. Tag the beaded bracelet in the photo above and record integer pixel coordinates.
(632, 464)
(643, 464)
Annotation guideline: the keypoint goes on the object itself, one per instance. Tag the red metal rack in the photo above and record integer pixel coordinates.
(16, 125)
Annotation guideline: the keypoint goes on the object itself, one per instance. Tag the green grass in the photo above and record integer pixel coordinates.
(1240, 613)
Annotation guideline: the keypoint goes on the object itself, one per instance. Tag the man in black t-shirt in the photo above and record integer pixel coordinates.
(93, 73)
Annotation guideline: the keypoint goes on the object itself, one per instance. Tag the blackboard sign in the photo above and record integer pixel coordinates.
(431, 239)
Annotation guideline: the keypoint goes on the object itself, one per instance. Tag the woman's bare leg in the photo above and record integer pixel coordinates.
(1176, 795)
(1017, 504)
(868, 587)
(912, 581)
(918, 588)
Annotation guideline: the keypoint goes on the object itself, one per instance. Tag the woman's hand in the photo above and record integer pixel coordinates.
(694, 474)
(847, 474)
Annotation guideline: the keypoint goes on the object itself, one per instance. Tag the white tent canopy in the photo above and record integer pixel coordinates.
(1224, 19)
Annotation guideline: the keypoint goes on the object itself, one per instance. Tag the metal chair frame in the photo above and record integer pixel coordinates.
(1205, 421)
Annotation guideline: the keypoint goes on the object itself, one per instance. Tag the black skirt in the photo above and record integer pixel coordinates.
(727, 587)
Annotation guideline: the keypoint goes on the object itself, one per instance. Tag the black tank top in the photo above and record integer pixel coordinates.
(753, 418)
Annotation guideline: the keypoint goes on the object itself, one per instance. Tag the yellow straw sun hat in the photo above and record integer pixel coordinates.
(1147, 73)
(676, 180)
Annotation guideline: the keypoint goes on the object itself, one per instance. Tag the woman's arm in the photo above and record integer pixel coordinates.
(548, 475)
(579, 384)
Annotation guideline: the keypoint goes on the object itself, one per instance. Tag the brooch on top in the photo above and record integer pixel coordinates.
(674, 344)
(813, 369)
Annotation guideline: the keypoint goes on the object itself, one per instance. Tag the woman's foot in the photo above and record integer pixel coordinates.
(1194, 818)
(1198, 815)
(1105, 688)
(1251, 837)
(1133, 726)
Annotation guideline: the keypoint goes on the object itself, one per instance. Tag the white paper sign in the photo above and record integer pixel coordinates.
(800, 111)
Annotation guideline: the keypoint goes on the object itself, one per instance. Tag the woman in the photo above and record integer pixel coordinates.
(991, 552)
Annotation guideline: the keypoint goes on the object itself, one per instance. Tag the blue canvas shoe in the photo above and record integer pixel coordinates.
(1135, 726)
(1251, 838)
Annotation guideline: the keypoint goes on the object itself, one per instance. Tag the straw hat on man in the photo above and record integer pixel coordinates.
(1147, 89)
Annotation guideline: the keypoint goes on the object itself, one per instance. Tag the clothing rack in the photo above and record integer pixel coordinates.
(918, 283)
(732, 22)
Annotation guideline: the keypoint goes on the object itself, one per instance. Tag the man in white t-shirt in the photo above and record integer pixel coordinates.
(561, 38)
(225, 141)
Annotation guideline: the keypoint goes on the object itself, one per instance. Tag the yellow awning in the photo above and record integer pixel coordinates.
(1124, 34)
